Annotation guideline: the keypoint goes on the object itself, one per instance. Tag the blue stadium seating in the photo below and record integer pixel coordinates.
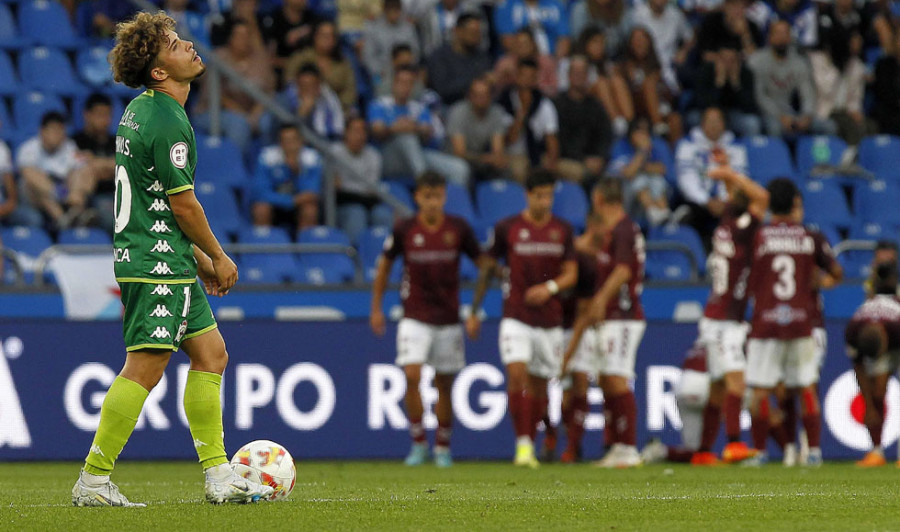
(660, 148)
(668, 265)
(832, 235)
(84, 235)
(118, 107)
(9, 33)
(878, 202)
(459, 203)
(768, 158)
(881, 156)
(399, 191)
(371, 244)
(571, 203)
(869, 231)
(29, 107)
(48, 69)
(818, 150)
(856, 263)
(219, 161)
(321, 268)
(29, 241)
(44, 22)
(681, 234)
(220, 205)
(9, 81)
(499, 199)
(93, 67)
(825, 204)
(7, 128)
(266, 267)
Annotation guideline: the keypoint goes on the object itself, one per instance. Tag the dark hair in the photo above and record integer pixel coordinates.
(465, 18)
(869, 342)
(392, 3)
(95, 99)
(651, 62)
(782, 192)
(610, 189)
(539, 177)
(406, 68)
(351, 118)
(51, 117)
(882, 245)
(430, 179)
(309, 68)
(335, 54)
(284, 126)
(584, 38)
(637, 123)
(138, 43)
(712, 108)
(527, 63)
(399, 49)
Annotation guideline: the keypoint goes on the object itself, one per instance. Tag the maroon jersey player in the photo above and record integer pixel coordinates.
(431, 245)
(540, 262)
(781, 348)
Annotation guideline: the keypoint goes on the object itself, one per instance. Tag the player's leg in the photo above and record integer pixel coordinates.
(710, 421)
(785, 434)
(621, 339)
(878, 373)
(448, 358)
(764, 369)
(515, 353)
(414, 343)
(574, 415)
(801, 372)
(537, 388)
(732, 365)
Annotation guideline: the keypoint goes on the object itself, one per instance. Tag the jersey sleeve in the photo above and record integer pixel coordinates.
(468, 241)
(393, 246)
(824, 254)
(171, 157)
(623, 245)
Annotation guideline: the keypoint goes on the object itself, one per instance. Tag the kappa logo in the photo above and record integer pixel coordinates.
(158, 205)
(161, 290)
(198, 444)
(13, 428)
(161, 268)
(161, 332)
(95, 449)
(156, 187)
(160, 226)
(160, 312)
(162, 246)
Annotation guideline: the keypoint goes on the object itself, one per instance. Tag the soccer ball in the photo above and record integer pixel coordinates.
(268, 463)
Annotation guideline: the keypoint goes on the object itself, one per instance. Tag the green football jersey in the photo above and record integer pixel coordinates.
(156, 154)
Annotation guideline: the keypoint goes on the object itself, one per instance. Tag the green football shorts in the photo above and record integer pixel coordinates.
(161, 316)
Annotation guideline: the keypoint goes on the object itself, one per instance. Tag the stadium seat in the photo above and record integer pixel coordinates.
(371, 244)
(877, 201)
(571, 203)
(219, 161)
(768, 158)
(7, 128)
(870, 231)
(84, 235)
(825, 204)
(818, 150)
(499, 199)
(9, 34)
(681, 234)
(266, 267)
(320, 268)
(399, 191)
(9, 81)
(48, 70)
(29, 107)
(28, 243)
(856, 263)
(459, 203)
(832, 235)
(46, 23)
(881, 156)
(668, 265)
(93, 67)
(220, 205)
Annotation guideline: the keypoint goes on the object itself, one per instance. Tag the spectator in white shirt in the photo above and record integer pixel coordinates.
(671, 33)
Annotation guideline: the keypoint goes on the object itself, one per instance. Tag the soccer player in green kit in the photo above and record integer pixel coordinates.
(162, 243)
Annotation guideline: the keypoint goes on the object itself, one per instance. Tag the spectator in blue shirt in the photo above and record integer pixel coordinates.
(287, 182)
(315, 103)
(547, 19)
(404, 127)
(642, 169)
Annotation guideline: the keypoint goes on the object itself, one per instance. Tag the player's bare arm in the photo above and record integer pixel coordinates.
(539, 294)
(487, 267)
(192, 220)
(757, 195)
(582, 322)
(206, 272)
(379, 285)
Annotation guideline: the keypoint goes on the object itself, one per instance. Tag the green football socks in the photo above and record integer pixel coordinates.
(118, 415)
(203, 408)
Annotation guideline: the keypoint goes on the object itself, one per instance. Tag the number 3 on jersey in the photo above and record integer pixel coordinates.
(123, 199)
(786, 286)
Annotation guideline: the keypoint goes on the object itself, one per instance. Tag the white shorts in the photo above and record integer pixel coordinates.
(586, 358)
(440, 346)
(540, 349)
(692, 389)
(619, 341)
(770, 361)
(886, 364)
(820, 337)
(724, 341)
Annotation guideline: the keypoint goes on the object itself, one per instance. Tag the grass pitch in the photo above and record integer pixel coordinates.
(474, 495)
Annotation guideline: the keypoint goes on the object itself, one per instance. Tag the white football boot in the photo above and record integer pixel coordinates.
(224, 485)
(95, 490)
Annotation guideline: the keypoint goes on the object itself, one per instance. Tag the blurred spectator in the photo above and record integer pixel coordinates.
(325, 53)
(887, 90)
(532, 138)
(381, 35)
(838, 21)
(315, 103)
(97, 147)
(727, 28)
(241, 114)
(800, 15)
(706, 147)
(12, 211)
(885, 23)
(246, 11)
(727, 83)
(780, 75)
(525, 47)
(643, 172)
(840, 78)
(353, 15)
(358, 206)
(672, 36)
(612, 17)
(453, 66)
(585, 132)
(435, 20)
(187, 19)
(404, 126)
(288, 30)
(401, 56)
(98, 18)
(697, 9)
(287, 182)
(477, 129)
(56, 180)
(546, 18)
(642, 71)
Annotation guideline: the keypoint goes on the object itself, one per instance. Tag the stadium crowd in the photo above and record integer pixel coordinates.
(481, 92)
